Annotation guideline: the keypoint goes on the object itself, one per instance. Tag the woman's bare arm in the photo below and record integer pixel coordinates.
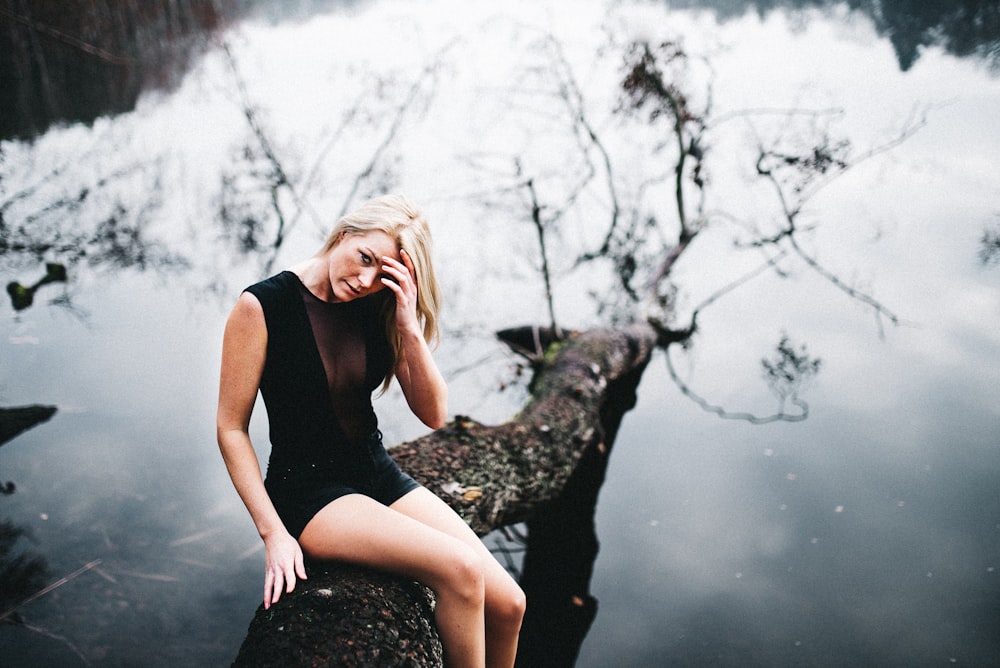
(244, 350)
(422, 383)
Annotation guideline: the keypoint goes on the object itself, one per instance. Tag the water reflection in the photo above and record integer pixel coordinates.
(964, 28)
(67, 218)
(78, 61)
(989, 246)
(720, 542)
(82, 60)
(22, 573)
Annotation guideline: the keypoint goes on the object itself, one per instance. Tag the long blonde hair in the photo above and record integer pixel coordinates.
(398, 217)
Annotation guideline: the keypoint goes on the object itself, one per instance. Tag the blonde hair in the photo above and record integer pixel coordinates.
(398, 217)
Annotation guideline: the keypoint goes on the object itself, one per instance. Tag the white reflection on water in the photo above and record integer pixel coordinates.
(712, 550)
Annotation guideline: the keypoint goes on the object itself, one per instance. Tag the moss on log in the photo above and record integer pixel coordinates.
(346, 616)
(492, 476)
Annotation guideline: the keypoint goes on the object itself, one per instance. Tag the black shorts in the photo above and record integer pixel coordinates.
(299, 493)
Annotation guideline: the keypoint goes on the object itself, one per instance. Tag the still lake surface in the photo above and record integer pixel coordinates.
(868, 534)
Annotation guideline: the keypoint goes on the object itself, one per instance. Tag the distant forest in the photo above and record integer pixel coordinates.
(961, 27)
(76, 60)
(81, 59)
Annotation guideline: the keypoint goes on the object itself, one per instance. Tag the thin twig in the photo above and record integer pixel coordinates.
(429, 71)
(55, 585)
(536, 218)
(66, 38)
(781, 416)
(62, 639)
(745, 278)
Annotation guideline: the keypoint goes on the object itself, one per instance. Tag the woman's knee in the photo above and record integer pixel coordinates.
(461, 573)
(507, 604)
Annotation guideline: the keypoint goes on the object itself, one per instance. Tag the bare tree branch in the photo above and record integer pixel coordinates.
(536, 218)
(722, 412)
(817, 169)
(429, 72)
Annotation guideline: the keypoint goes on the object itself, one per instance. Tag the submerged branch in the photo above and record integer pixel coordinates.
(819, 167)
(536, 219)
(769, 263)
(879, 309)
(15, 420)
(278, 177)
(780, 416)
(55, 585)
(572, 97)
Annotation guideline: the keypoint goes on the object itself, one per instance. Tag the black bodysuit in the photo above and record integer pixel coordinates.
(324, 360)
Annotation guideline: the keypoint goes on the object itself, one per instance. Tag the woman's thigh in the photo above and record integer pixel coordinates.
(425, 507)
(360, 530)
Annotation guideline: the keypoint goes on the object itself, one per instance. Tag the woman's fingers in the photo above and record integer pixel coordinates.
(282, 573)
(276, 581)
(300, 566)
(399, 272)
(271, 593)
(408, 263)
(400, 277)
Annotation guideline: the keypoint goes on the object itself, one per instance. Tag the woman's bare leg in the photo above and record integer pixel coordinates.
(504, 599)
(359, 530)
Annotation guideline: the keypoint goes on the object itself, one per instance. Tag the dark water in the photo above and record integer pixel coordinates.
(869, 534)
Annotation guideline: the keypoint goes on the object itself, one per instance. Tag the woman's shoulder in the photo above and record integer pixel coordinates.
(277, 293)
(280, 281)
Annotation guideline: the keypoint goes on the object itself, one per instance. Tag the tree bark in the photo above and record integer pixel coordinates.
(493, 476)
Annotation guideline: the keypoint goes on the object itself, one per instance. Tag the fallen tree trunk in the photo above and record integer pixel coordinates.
(493, 476)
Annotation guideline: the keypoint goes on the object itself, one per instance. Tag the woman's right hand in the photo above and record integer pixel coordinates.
(283, 563)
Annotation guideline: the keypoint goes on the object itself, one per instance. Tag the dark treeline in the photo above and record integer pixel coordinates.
(961, 27)
(82, 59)
(76, 60)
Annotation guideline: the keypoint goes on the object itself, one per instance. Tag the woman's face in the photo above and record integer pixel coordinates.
(355, 264)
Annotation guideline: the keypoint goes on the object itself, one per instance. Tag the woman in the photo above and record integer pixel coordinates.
(317, 340)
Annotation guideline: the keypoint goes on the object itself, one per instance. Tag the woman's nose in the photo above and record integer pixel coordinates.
(367, 277)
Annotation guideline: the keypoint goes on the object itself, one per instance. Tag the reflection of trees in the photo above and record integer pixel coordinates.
(83, 59)
(657, 204)
(650, 223)
(989, 246)
(77, 61)
(262, 197)
(21, 573)
(94, 221)
(961, 27)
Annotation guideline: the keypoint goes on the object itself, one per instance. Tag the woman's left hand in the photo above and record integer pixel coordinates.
(420, 379)
(401, 278)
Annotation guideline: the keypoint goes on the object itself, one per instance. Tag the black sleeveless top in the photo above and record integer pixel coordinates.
(324, 360)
